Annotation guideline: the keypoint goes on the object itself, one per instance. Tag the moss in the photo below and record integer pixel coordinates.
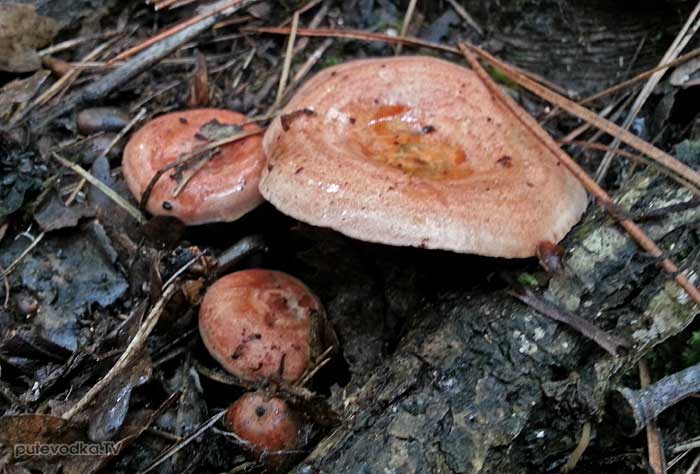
(330, 61)
(527, 279)
(688, 151)
(498, 76)
(691, 353)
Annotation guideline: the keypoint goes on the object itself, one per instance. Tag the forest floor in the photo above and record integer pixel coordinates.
(82, 278)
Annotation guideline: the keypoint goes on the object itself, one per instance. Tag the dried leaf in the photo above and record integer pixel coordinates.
(215, 130)
(112, 406)
(22, 30)
(19, 92)
(54, 214)
(199, 96)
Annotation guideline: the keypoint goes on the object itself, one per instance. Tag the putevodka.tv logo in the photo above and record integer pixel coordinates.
(79, 448)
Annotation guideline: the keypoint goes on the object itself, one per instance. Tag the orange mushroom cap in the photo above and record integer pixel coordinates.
(267, 425)
(416, 151)
(262, 324)
(225, 188)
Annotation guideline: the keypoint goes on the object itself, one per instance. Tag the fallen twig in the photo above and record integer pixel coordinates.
(287, 59)
(71, 43)
(609, 342)
(461, 11)
(674, 50)
(583, 442)
(583, 113)
(6, 283)
(179, 445)
(641, 76)
(34, 242)
(406, 21)
(192, 157)
(367, 36)
(243, 248)
(136, 344)
(637, 158)
(198, 19)
(591, 186)
(637, 408)
(139, 63)
(657, 460)
(120, 135)
(109, 192)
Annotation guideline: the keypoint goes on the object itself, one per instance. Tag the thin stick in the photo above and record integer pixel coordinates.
(193, 172)
(68, 44)
(311, 61)
(603, 198)
(637, 158)
(172, 31)
(63, 82)
(287, 59)
(306, 67)
(103, 153)
(304, 8)
(178, 446)
(641, 76)
(572, 135)
(120, 201)
(583, 113)
(24, 253)
(367, 36)
(657, 460)
(610, 342)
(7, 287)
(67, 78)
(354, 34)
(674, 50)
(314, 23)
(583, 442)
(466, 16)
(189, 157)
(693, 469)
(406, 21)
(103, 86)
(324, 359)
(686, 445)
(127, 356)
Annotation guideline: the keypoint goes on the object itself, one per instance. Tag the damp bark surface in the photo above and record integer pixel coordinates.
(479, 382)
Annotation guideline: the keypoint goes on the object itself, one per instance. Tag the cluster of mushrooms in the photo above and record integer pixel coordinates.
(410, 151)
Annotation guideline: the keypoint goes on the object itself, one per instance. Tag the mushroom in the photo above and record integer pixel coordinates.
(222, 187)
(416, 151)
(263, 325)
(266, 425)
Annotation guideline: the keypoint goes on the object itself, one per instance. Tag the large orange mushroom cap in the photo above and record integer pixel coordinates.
(224, 189)
(416, 151)
(262, 324)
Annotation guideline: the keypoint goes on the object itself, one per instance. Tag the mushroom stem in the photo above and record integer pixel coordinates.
(639, 407)
(243, 248)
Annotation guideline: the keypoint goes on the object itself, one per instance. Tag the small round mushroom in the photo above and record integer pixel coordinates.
(223, 189)
(263, 325)
(416, 151)
(267, 425)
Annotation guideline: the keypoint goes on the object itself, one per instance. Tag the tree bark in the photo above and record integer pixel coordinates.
(482, 383)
